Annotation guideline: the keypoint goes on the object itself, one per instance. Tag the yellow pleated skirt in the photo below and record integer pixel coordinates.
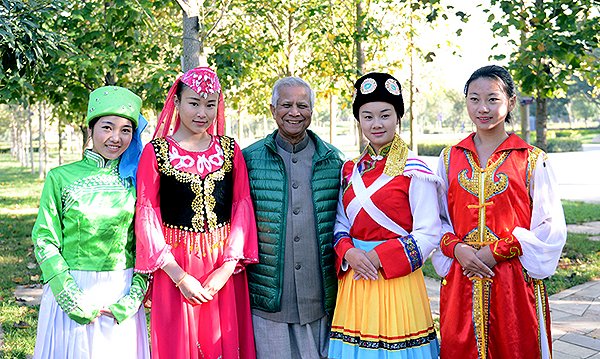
(383, 318)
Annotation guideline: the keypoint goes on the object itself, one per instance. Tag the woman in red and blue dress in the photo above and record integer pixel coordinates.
(387, 225)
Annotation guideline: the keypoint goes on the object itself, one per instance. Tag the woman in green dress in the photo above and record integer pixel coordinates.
(84, 242)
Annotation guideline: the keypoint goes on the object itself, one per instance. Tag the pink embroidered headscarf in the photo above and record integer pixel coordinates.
(204, 81)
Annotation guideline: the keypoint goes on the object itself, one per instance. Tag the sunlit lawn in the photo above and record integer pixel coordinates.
(19, 197)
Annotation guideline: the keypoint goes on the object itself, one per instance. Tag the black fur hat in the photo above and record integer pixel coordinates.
(378, 86)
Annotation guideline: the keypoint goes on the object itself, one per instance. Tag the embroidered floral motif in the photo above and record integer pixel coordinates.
(389, 344)
(202, 162)
(369, 85)
(483, 184)
(392, 86)
(180, 161)
(412, 252)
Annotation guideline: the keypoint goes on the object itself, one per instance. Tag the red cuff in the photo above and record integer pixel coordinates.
(341, 247)
(506, 248)
(447, 244)
(394, 262)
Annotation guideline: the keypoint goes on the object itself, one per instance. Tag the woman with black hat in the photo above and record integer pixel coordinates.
(387, 226)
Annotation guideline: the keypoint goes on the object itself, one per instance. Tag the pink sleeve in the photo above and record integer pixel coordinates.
(151, 249)
(242, 244)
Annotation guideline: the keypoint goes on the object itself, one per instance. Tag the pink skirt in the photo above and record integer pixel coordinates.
(221, 328)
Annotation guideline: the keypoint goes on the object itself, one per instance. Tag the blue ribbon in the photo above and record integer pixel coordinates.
(131, 157)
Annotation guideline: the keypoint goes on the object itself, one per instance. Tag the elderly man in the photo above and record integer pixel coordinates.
(294, 182)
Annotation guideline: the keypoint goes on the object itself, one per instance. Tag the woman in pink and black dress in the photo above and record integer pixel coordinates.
(195, 227)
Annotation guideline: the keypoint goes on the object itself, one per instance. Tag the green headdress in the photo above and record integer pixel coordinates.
(114, 100)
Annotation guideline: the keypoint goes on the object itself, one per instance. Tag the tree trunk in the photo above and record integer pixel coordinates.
(540, 123)
(60, 140)
(524, 110)
(525, 107)
(570, 114)
(360, 63)
(20, 148)
(411, 118)
(30, 130)
(239, 124)
(14, 136)
(332, 116)
(192, 46)
(42, 141)
(291, 64)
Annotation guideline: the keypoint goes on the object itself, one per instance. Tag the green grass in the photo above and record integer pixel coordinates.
(579, 212)
(579, 263)
(19, 198)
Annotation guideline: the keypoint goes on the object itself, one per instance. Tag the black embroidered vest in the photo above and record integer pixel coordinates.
(190, 202)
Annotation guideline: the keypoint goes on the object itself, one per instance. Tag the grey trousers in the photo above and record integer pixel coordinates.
(275, 340)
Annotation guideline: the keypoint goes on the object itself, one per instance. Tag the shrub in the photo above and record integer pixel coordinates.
(562, 144)
(563, 133)
(431, 149)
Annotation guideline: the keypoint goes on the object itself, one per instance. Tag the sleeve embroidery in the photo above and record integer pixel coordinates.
(411, 249)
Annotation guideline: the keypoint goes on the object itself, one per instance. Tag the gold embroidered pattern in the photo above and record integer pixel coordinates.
(198, 207)
(483, 185)
(540, 297)
(513, 249)
(485, 176)
(446, 154)
(396, 152)
(204, 202)
(473, 238)
(448, 239)
(482, 290)
(532, 159)
(396, 159)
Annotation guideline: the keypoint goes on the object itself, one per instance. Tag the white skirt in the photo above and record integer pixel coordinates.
(60, 337)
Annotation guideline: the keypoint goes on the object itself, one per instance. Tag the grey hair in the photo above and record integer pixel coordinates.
(291, 81)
